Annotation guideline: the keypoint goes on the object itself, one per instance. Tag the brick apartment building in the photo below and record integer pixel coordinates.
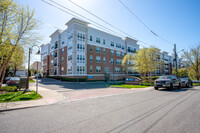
(83, 51)
(36, 65)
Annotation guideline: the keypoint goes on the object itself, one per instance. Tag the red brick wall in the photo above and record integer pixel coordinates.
(102, 64)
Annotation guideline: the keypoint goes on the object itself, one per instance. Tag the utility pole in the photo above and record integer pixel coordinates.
(37, 79)
(175, 54)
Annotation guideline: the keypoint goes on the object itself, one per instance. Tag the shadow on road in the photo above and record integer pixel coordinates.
(55, 84)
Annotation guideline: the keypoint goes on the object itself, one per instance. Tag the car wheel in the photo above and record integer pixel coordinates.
(179, 86)
(156, 88)
(171, 87)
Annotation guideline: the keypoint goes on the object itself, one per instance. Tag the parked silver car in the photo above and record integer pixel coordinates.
(168, 81)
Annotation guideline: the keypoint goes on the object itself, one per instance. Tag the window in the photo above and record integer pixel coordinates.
(117, 70)
(107, 70)
(63, 42)
(98, 69)
(70, 58)
(97, 39)
(69, 69)
(131, 50)
(70, 47)
(104, 59)
(56, 45)
(83, 58)
(118, 45)
(118, 53)
(70, 36)
(104, 41)
(62, 51)
(112, 61)
(112, 44)
(81, 37)
(80, 47)
(123, 47)
(62, 69)
(77, 69)
(51, 62)
(62, 59)
(112, 52)
(90, 38)
(90, 58)
(91, 69)
(78, 58)
(122, 54)
(98, 49)
(52, 54)
(118, 62)
(52, 70)
(90, 48)
(98, 59)
(104, 50)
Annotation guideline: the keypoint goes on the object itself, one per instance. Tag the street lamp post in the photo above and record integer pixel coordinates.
(27, 80)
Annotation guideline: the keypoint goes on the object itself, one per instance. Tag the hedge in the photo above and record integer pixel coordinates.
(74, 79)
(9, 88)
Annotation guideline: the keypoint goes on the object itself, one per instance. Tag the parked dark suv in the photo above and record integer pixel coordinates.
(168, 81)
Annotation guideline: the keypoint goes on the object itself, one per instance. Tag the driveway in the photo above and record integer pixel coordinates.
(70, 86)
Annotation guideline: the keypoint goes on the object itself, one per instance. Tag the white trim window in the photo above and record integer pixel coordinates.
(98, 69)
(98, 49)
(98, 59)
(118, 53)
(118, 61)
(98, 40)
(112, 52)
(117, 70)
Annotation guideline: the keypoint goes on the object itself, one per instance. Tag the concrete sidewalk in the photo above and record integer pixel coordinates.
(49, 97)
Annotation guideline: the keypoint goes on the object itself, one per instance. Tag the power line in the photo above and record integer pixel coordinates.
(88, 19)
(145, 24)
(98, 25)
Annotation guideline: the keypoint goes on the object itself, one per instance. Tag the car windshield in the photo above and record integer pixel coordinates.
(165, 77)
(15, 78)
(184, 79)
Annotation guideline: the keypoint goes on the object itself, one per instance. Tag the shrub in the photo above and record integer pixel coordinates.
(74, 79)
(117, 83)
(9, 88)
(147, 84)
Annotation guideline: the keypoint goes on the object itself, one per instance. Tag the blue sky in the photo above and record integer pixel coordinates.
(177, 21)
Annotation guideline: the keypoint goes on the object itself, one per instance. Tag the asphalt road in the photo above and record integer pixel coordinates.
(70, 86)
(150, 111)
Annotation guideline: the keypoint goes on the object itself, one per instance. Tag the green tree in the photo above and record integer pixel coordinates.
(153, 62)
(183, 72)
(17, 27)
(17, 60)
(192, 59)
(126, 62)
(141, 62)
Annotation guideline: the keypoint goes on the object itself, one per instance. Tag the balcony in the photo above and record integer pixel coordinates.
(55, 55)
(56, 46)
